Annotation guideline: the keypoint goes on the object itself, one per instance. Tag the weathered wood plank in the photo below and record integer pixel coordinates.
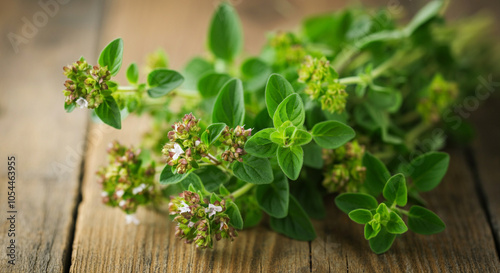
(486, 149)
(46, 142)
(465, 246)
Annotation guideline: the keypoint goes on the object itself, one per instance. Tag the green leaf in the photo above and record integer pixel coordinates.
(273, 198)
(348, 202)
(313, 155)
(109, 112)
(255, 72)
(332, 134)
(309, 197)
(212, 133)
(290, 160)
(277, 89)
(69, 107)
(361, 216)
(225, 38)
(372, 230)
(424, 221)
(296, 224)
(195, 69)
(133, 73)
(212, 177)
(253, 170)
(161, 81)
(376, 174)
(234, 214)
(301, 137)
(214, 198)
(250, 210)
(428, 12)
(111, 56)
(229, 107)
(290, 109)
(382, 242)
(260, 144)
(167, 177)
(429, 169)
(395, 190)
(191, 180)
(210, 84)
(395, 225)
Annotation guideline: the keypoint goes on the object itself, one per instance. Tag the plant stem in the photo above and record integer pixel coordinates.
(239, 192)
(374, 73)
(213, 159)
(402, 211)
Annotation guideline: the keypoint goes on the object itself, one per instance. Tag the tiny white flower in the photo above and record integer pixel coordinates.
(196, 143)
(177, 150)
(190, 224)
(138, 189)
(104, 194)
(83, 103)
(221, 225)
(212, 209)
(131, 218)
(119, 193)
(122, 203)
(184, 208)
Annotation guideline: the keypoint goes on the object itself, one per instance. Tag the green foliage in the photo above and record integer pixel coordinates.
(296, 224)
(229, 107)
(424, 221)
(112, 55)
(290, 160)
(332, 134)
(162, 81)
(429, 169)
(277, 89)
(225, 37)
(273, 198)
(133, 73)
(109, 112)
(253, 170)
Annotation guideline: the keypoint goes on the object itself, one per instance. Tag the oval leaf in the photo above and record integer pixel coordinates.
(229, 107)
(376, 174)
(111, 56)
(133, 73)
(429, 169)
(296, 224)
(234, 214)
(167, 177)
(290, 160)
(273, 198)
(395, 225)
(109, 112)
(395, 190)
(424, 221)
(161, 81)
(277, 89)
(332, 134)
(361, 216)
(253, 170)
(260, 144)
(382, 242)
(213, 133)
(290, 109)
(225, 38)
(210, 85)
(348, 202)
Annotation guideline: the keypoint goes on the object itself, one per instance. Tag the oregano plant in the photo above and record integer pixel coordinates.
(335, 108)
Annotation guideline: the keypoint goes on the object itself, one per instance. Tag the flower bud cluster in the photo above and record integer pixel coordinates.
(322, 84)
(125, 182)
(235, 140)
(200, 221)
(85, 84)
(184, 147)
(436, 98)
(344, 170)
(288, 49)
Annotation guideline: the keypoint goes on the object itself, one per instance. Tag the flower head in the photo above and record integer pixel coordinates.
(83, 103)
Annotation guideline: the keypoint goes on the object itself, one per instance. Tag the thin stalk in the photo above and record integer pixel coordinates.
(239, 192)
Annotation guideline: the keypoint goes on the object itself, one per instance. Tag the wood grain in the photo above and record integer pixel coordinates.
(48, 144)
(465, 246)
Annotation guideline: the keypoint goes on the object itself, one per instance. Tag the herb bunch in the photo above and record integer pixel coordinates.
(333, 108)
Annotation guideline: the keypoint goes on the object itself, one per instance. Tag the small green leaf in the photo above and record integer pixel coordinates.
(260, 144)
(290, 160)
(376, 174)
(195, 69)
(313, 155)
(290, 109)
(250, 210)
(225, 38)
(111, 56)
(133, 73)
(109, 112)
(382, 242)
(69, 107)
(253, 170)
(372, 230)
(332, 134)
(273, 198)
(429, 169)
(212, 177)
(296, 224)
(255, 72)
(223, 191)
(361, 216)
(192, 180)
(424, 221)
(277, 89)
(210, 84)
(301, 137)
(229, 107)
(214, 198)
(161, 81)
(212, 133)
(348, 202)
(425, 14)
(234, 214)
(395, 190)
(168, 177)
(395, 225)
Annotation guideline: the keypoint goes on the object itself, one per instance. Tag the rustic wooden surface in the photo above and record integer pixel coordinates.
(58, 154)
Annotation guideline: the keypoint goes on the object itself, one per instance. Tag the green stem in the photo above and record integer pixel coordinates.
(239, 192)
(402, 211)
(374, 73)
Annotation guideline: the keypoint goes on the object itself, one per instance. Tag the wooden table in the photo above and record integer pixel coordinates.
(61, 224)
